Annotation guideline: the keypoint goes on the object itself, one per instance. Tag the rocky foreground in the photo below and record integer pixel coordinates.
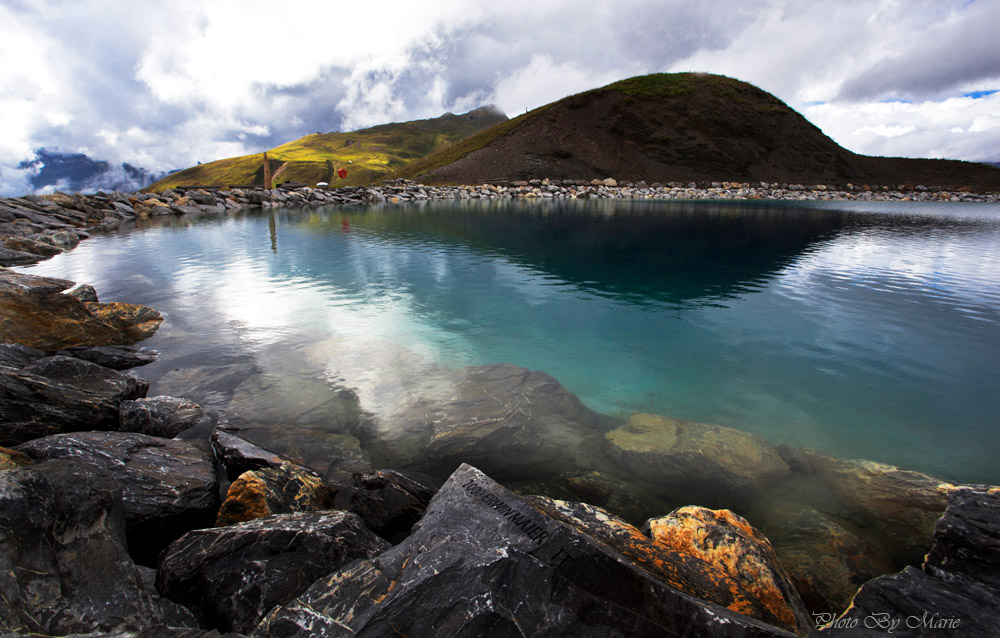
(124, 514)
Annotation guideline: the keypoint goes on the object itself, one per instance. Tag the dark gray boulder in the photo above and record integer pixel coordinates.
(239, 455)
(15, 355)
(64, 568)
(169, 487)
(231, 576)
(159, 416)
(389, 502)
(84, 292)
(957, 593)
(114, 357)
(34, 406)
(90, 377)
(483, 562)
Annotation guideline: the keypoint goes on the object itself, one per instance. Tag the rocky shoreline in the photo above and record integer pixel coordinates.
(124, 514)
(33, 228)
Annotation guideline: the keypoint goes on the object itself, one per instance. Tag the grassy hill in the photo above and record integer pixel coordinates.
(676, 127)
(368, 154)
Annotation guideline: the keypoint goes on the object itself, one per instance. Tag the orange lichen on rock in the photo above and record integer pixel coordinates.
(696, 574)
(280, 490)
(12, 459)
(727, 541)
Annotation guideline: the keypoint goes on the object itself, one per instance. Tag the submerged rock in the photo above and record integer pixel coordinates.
(159, 416)
(269, 491)
(484, 562)
(509, 420)
(899, 507)
(825, 557)
(726, 540)
(169, 487)
(64, 568)
(957, 593)
(230, 577)
(676, 457)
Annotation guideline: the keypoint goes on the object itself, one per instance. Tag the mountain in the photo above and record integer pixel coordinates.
(368, 154)
(79, 173)
(677, 127)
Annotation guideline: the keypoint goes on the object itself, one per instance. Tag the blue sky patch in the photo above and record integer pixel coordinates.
(975, 95)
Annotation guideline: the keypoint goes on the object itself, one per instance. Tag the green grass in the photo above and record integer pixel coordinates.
(368, 154)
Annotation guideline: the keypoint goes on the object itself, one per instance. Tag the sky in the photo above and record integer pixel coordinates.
(159, 86)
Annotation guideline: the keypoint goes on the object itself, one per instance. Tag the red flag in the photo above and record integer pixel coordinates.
(341, 173)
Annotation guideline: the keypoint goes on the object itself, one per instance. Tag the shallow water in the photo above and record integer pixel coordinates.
(863, 330)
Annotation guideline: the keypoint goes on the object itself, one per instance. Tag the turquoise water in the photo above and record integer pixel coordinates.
(863, 330)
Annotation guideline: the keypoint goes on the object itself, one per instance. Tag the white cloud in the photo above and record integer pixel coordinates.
(167, 84)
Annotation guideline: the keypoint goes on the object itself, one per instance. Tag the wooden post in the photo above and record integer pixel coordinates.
(267, 173)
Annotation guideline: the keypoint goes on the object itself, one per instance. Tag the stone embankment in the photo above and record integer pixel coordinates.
(35, 228)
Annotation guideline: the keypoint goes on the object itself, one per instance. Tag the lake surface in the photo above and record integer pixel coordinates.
(865, 330)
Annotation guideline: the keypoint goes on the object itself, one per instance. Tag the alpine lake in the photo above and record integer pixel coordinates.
(357, 337)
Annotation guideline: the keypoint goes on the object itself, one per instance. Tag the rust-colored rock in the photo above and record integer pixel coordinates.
(704, 575)
(679, 456)
(274, 490)
(12, 459)
(34, 313)
(727, 541)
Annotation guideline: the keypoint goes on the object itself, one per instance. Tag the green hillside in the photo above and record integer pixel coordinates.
(368, 154)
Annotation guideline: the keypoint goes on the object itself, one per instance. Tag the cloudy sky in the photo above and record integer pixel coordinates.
(163, 85)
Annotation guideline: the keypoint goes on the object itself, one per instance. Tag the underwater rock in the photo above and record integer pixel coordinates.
(482, 561)
(231, 576)
(64, 568)
(899, 507)
(677, 456)
(825, 559)
(168, 486)
(727, 541)
(269, 491)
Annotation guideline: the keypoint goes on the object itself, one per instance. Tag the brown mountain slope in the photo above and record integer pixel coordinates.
(677, 127)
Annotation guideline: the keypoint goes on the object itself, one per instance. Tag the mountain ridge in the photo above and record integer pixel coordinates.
(677, 127)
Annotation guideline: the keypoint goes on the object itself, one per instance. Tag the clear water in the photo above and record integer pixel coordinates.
(863, 330)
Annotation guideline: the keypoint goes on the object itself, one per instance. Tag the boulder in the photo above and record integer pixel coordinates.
(10, 257)
(17, 356)
(33, 406)
(135, 322)
(64, 568)
(269, 491)
(89, 377)
(31, 246)
(34, 314)
(682, 458)
(826, 557)
(726, 540)
(84, 292)
(511, 421)
(159, 416)
(897, 507)
(239, 455)
(169, 487)
(618, 497)
(957, 593)
(114, 357)
(483, 561)
(389, 502)
(231, 576)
